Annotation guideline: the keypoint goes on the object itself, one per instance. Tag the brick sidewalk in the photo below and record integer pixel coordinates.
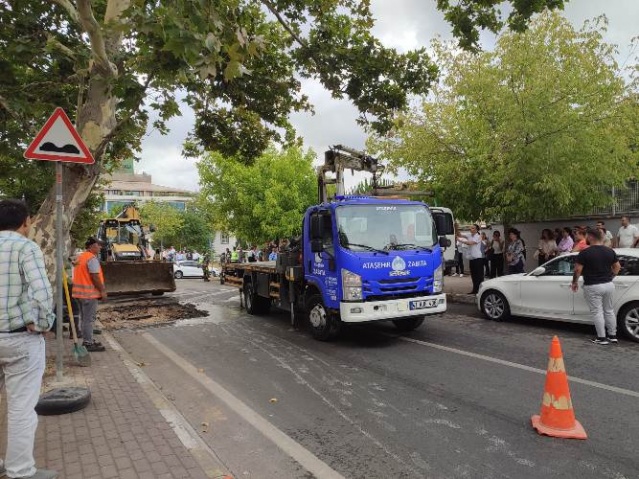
(121, 434)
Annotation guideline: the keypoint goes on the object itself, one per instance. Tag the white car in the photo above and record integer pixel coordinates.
(191, 269)
(545, 293)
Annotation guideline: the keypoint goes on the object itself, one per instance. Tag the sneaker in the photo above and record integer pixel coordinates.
(601, 341)
(94, 347)
(42, 474)
(453, 275)
(613, 339)
(461, 275)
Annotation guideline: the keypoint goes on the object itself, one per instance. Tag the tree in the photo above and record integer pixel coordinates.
(164, 218)
(195, 231)
(536, 128)
(263, 201)
(238, 62)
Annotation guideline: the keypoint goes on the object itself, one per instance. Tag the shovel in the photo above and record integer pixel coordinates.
(80, 353)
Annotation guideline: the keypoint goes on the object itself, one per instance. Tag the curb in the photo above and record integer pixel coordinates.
(460, 298)
(208, 460)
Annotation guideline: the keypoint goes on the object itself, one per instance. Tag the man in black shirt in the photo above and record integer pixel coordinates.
(599, 265)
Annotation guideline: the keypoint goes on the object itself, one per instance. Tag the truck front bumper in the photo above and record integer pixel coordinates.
(361, 312)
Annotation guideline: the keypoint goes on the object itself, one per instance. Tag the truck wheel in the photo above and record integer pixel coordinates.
(255, 304)
(324, 325)
(408, 324)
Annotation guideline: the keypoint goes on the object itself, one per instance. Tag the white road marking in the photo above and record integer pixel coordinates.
(295, 450)
(188, 436)
(490, 359)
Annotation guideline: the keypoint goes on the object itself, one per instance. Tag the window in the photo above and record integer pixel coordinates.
(629, 266)
(562, 266)
(224, 238)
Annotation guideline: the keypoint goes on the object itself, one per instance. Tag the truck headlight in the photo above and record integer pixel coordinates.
(438, 280)
(351, 286)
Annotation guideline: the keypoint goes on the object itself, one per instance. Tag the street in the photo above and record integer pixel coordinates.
(453, 399)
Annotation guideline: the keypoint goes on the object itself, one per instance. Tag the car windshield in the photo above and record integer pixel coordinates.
(385, 227)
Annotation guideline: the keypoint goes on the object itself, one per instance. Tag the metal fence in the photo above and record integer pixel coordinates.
(626, 201)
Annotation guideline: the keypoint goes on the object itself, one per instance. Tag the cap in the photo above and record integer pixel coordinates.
(91, 241)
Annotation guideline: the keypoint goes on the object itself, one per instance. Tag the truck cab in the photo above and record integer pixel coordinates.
(370, 259)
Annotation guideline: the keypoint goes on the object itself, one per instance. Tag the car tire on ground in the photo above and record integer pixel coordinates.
(494, 305)
(178, 275)
(323, 324)
(408, 324)
(63, 401)
(254, 304)
(628, 321)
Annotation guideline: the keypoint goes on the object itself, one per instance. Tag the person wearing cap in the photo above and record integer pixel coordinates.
(27, 311)
(88, 289)
(598, 264)
(475, 256)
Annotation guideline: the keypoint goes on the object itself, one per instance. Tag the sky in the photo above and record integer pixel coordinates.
(402, 24)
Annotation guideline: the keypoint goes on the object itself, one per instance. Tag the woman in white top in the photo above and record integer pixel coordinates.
(547, 248)
(496, 255)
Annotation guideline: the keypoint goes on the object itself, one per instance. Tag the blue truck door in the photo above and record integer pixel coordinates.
(321, 267)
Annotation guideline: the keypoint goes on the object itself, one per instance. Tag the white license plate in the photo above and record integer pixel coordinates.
(422, 304)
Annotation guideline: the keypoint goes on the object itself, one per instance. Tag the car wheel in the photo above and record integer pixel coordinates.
(63, 401)
(323, 324)
(495, 306)
(178, 275)
(408, 324)
(628, 321)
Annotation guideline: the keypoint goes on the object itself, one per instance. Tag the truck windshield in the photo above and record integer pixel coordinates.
(385, 227)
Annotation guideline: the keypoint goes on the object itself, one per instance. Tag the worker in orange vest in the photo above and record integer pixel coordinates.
(88, 289)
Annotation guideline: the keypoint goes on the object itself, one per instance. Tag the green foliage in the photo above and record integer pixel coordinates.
(166, 220)
(194, 233)
(87, 222)
(536, 129)
(263, 201)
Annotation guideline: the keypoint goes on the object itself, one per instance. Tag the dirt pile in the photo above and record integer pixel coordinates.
(139, 313)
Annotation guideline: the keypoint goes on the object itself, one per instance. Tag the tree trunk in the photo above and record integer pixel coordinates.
(96, 120)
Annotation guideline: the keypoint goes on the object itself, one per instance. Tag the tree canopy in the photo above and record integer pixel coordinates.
(540, 127)
(238, 63)
(263, 201)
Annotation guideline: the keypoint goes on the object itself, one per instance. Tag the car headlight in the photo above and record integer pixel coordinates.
(351, 286)
(438, 280)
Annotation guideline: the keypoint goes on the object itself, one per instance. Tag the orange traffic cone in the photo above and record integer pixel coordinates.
(557, 418)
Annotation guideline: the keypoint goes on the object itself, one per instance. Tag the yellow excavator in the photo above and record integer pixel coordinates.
(127, 262)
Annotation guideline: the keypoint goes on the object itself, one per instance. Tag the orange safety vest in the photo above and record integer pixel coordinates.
(83, 287)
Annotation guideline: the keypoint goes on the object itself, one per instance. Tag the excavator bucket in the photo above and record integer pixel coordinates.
(138, 277)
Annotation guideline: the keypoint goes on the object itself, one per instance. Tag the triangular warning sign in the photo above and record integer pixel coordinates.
(58, 140)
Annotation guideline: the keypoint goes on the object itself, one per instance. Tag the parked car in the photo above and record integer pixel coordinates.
(545, 293)
(191, 269)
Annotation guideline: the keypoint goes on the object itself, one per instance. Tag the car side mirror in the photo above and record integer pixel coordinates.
(444, 242)
(316, 227)
(538, 271)
(317, 246)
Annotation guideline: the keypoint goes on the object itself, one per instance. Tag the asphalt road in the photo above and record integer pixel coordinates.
(450, 400)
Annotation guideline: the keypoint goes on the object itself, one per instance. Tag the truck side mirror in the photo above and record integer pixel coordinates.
(444, 242)
(317, 246)
(317, 226)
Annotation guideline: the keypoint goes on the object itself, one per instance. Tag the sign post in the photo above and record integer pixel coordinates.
(59, 141)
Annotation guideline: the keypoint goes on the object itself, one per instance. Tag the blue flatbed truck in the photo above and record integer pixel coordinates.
(360, 259)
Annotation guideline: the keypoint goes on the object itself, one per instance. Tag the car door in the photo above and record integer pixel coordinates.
(192, 269)
(625, 280)
(548, 294)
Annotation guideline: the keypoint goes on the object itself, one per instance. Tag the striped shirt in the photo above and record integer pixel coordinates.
(25, 291)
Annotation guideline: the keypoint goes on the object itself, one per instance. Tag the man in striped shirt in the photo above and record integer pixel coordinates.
(26, 311)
